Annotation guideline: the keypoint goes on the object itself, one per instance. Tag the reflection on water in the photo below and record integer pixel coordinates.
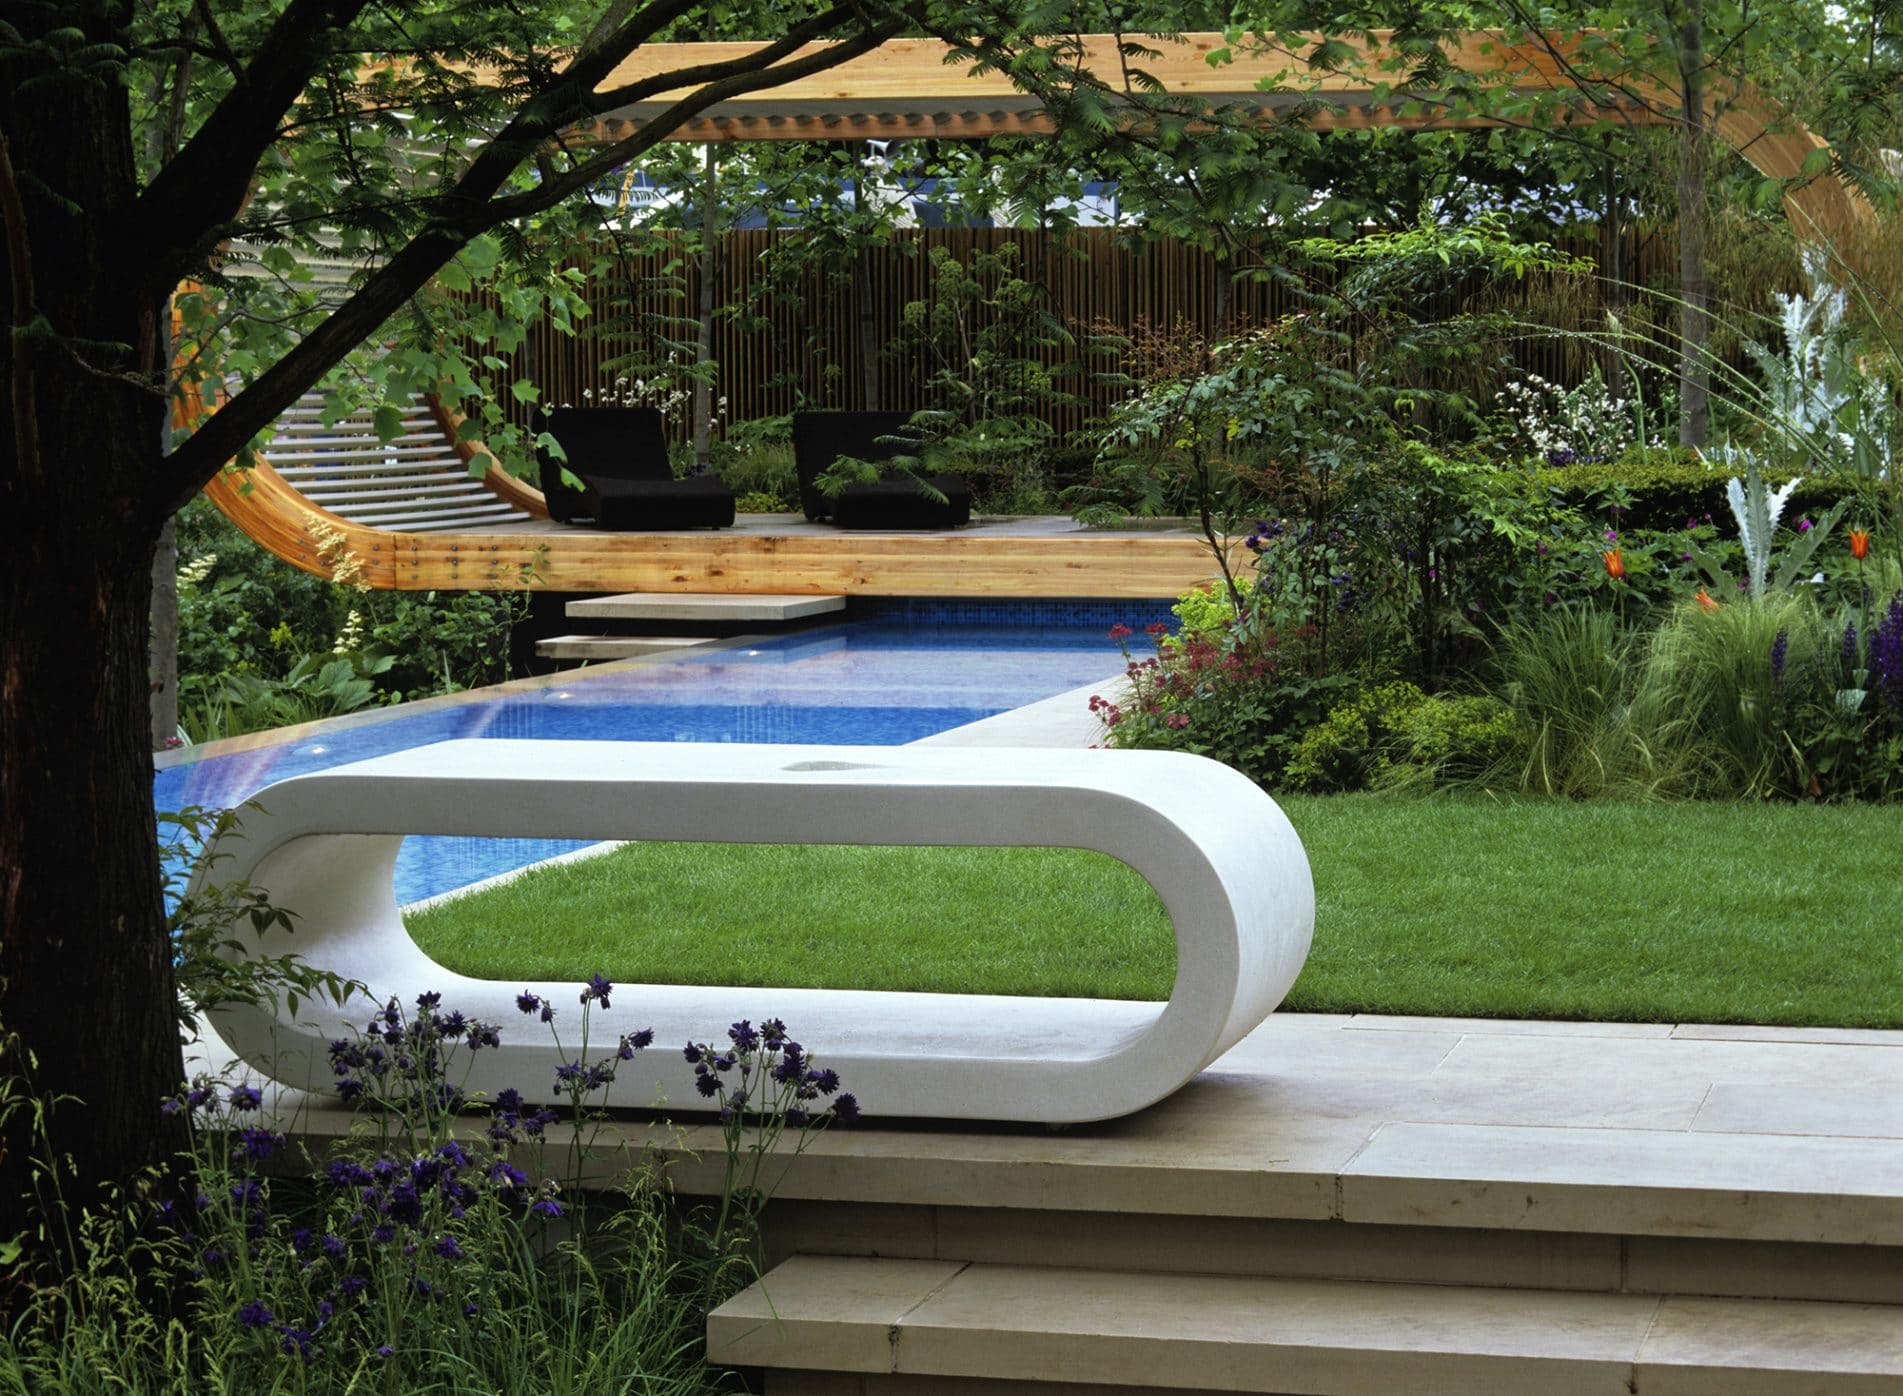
(857, 684)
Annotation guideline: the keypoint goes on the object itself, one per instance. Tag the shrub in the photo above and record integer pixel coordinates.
(1781, 699)
(1396, 735)
(1229, 697)
(1663, 487)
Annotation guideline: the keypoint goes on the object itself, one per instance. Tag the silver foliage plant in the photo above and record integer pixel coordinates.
(1816, 392)
(1758, 508)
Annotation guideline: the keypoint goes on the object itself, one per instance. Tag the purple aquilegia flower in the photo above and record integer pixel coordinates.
(259, 1144)
(1886, 657)
(597, 989)
(246, 1098)
(256, 1315)
(527, 1002)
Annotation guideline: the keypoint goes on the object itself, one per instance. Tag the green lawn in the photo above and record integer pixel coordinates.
(1463, 906)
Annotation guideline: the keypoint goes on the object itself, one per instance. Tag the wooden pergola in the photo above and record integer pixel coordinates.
(907, 90)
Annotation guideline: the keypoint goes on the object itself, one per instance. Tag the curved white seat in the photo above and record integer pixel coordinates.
(1230, 870)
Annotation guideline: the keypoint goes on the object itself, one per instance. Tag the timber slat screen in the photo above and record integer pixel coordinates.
(801, 347)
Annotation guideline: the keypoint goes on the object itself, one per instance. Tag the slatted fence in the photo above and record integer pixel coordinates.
(799, 339)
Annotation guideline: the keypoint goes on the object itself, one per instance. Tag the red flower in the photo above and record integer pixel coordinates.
(1615, 565)
(1860, 543)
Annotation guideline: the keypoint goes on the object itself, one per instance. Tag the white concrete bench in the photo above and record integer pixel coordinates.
(1229, 869)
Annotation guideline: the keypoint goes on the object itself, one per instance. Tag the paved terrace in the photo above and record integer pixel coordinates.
(1347, 1203)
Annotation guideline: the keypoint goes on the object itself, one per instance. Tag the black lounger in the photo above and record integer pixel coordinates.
(820, 438)
(620, 456)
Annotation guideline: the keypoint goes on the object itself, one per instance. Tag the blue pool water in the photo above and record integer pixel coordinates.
(882, 682)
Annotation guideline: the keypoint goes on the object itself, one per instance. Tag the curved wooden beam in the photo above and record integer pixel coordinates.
(511, 489)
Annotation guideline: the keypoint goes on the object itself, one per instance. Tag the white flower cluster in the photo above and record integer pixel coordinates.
(672, 395)
(350, 638)
(195, 571)
(333, 550)
(1586, 421)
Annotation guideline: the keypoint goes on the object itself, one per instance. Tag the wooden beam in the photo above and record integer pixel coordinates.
(973, 563)
(907, 88)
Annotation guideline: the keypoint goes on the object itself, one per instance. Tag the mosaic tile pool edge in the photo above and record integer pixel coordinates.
(925, 610)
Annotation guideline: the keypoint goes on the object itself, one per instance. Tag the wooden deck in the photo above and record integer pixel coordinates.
(997, 558)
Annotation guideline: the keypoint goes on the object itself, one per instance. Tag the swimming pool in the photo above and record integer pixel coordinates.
(884, 681)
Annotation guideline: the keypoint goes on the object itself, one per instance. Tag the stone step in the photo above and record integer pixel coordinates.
(1302, 1249)
(893, 1327)
(701, 606)
(612, 646)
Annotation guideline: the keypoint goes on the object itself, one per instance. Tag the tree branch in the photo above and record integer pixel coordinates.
(202, 188)
(470, 209)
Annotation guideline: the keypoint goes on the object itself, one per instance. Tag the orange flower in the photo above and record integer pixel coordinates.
(1705, 600)
(1615, 566)
(1860, 543)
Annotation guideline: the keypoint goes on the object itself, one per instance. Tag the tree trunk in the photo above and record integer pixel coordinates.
(86, 979)
(709, 273)
(1694, 284)
(164, 656)
(868, 320)
(1620, 377)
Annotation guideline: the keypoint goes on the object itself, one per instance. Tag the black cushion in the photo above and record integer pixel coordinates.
(699, 501)
(820, 438)
(620, 456)
(899, 504)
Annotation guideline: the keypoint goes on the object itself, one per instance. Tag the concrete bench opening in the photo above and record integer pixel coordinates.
(1227, 867)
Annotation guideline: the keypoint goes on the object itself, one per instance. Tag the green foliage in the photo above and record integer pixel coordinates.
(1302, 416)
(448, 1243)
(215, 965)
(757, 465)
(263, 644)
(312, 689)
(242, 610)
(1741, 699)
(994, 357)
(1396, 735)
(1203, 613)
(1757, 508)
(478, 1292)
(1571, 675)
